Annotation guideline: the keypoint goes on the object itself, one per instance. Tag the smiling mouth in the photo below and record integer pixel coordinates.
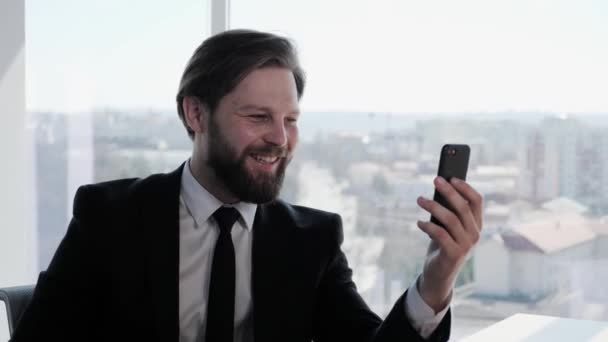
(268, 160)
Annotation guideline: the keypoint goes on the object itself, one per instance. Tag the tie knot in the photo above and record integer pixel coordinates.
(225, 217)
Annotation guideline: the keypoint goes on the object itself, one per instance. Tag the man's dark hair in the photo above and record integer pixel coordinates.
(223, 60)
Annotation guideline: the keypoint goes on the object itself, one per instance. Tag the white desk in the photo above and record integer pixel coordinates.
(535, 328)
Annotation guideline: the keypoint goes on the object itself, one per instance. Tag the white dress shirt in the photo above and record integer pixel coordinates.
(197, 237)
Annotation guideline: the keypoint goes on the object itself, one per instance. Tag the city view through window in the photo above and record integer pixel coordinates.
(389, 84)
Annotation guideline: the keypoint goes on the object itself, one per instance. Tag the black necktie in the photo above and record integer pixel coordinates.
(220, 309)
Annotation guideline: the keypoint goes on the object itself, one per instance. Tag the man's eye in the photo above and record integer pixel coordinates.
(259, 117)
(292, 120)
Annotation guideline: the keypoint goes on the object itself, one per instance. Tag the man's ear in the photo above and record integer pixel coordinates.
(195, 113)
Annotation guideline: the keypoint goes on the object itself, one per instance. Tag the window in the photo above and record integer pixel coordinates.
(101, 84)
(521, 82)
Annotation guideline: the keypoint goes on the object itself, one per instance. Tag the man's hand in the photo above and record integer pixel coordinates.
(450, 246)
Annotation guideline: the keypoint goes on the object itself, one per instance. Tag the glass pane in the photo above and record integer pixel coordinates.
(523, 83)
(101, 83)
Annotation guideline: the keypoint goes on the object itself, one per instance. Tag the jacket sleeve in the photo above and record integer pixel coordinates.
(342, 315)
(66, 300)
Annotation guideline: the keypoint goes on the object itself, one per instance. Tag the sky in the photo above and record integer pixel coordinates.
(400, 56)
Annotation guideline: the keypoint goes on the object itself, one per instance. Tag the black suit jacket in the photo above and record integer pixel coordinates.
(115, 274)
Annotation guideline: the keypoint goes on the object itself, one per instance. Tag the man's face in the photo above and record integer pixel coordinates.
(252, 134)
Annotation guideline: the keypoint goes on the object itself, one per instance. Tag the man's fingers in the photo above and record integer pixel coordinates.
(451, 222)
(473, 197)
(439, 235)
(459, 204)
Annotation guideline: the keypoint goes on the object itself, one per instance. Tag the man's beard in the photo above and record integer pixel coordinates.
(231, 170)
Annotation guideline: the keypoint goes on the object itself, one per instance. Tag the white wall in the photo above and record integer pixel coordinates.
(491, 267)
(527, 274)
(535, 275)
(16, 215)
(568, 262)
(601, 247)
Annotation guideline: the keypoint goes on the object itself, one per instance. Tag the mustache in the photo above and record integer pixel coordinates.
(270, 150)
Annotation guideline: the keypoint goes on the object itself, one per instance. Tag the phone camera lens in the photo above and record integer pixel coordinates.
(452, 151)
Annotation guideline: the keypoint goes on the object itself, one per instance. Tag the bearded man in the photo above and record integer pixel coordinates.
(209, 253)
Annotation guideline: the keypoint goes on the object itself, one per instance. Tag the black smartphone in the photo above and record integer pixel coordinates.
(453, 162)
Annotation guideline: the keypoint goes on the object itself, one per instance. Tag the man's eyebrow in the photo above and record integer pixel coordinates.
(263, 109)
(255, 107)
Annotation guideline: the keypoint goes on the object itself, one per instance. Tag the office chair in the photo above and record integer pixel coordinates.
(16, 300)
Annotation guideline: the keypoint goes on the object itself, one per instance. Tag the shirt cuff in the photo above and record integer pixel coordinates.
(422, 317)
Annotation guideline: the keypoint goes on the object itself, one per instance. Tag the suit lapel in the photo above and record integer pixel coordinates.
(258, 281)
(270, 240)
(159, 212)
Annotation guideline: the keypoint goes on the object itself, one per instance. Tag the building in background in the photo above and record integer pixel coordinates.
(51, 160)
(560, 159)
(549, 260)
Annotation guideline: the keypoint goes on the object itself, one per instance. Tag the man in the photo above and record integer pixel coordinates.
(207, 252)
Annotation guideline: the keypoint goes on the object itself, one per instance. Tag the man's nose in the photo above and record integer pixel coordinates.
(277, 135)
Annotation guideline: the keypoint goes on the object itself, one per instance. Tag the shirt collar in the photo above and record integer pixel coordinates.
(202, 204)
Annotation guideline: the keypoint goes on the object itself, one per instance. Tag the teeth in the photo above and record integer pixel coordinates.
(265, 159)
